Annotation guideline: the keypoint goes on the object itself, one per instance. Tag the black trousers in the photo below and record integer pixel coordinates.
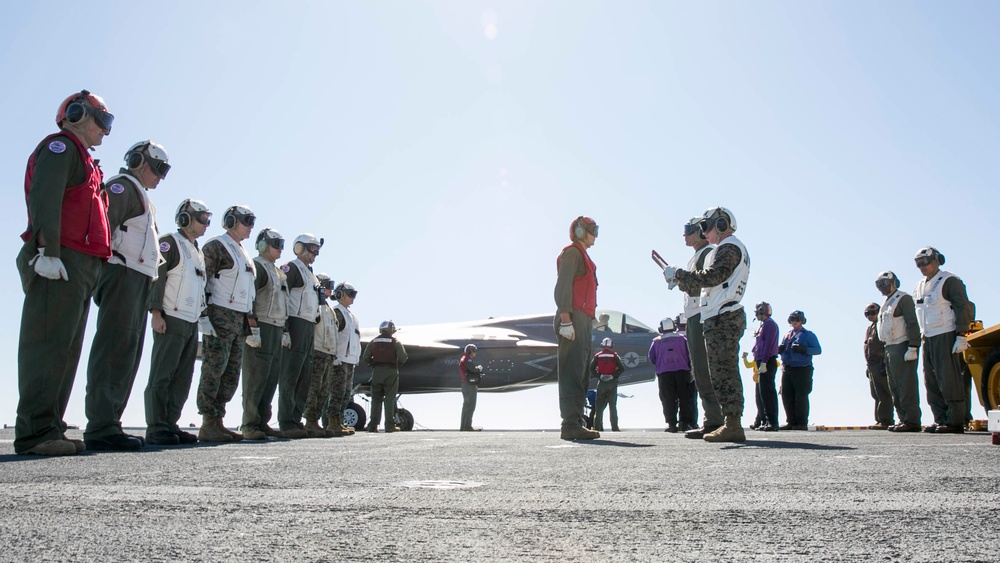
(796, 384)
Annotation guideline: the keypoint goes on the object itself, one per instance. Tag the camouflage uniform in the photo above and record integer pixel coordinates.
(222, 354)
(318, 403)
(722, 332)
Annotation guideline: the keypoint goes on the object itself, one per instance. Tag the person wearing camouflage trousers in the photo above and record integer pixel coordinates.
(230, 292)
(323, 356)
(722, 284)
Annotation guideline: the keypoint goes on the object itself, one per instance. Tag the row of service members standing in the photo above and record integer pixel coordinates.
(88, 237)
(936, 317)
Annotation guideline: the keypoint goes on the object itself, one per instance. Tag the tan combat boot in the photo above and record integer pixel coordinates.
(335, 427)
(731, 431)
(211, 431)
(578, 433)
(314, 429)
(348, 430)
(236, 436)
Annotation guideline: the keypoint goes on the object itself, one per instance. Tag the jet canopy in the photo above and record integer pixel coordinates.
(617, 322)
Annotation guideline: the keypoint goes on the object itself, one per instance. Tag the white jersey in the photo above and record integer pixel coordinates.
(692, 303)
(234, 288)
(934, 313)
(184, 293)
(349, 339)
(135, 244)
(303, 302)
(726, 296)
(890, 329)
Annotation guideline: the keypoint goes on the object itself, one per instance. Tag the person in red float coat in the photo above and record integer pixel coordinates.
(576, 300)
(66, 242)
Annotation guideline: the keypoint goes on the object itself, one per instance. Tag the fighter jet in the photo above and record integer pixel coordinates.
(516, 353)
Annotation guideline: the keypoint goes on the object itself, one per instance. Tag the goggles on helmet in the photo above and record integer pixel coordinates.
(244, 215)
(922, 262)
(103, 118)
(690, 229)
(795, 318)
(203, 217)
(871, 311)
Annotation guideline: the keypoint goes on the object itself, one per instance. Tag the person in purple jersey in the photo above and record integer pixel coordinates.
(765, 354)
(669, 356)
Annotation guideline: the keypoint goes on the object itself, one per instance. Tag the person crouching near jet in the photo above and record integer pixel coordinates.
(176, 302)
(231, 292)
(303, 313)
(323, 354)
(471, 374)
(268, 337)
(384, 355)
(348, 355)
(607, 367)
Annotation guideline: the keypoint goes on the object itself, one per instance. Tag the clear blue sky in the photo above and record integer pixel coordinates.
(443, 148)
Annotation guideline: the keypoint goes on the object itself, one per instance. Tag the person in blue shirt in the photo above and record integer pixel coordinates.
(797, 349)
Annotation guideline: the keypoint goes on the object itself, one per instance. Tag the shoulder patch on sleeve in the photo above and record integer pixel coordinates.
(164, 246)
(116, 188)
(285, 268)
(57, 147)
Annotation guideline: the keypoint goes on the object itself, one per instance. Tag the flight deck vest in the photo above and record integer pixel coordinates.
(692, 303)
(726, 296)
(934, 313)
(135, 244)
(606, 364)
(270, 305)
(325, 335)
(303, 302)
(891, 330)
(384, 351)
(584, 286)
(234, 288)
(84, 220)
(184, 293)
(349, 339)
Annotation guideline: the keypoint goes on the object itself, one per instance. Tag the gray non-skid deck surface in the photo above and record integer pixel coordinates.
(512, 496)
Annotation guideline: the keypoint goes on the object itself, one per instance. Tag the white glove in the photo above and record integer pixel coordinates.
(961, 345)
(206, 328)
(672, 283)
(337, 362)
(253, 340)
(566, 331)
(670, 274)
(479, 368)
(48, 267)
(762, 368)
(911, 354)
(286, 340)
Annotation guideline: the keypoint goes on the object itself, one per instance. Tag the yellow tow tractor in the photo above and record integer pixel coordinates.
(983, 357)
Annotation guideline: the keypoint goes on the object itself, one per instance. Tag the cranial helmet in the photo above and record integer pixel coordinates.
(192, 209)
(581, 226)
(470, 348)
(872, 309)
(931, 253)
(694, 226)
(269, 237)
(344, 288)
(324, 281)
(681, 321)
(797, 315)
(238, 214)
(307, 241)
(152, 154)
(718, 218)
(762, 308)
(387, 327)
(77, 106)
(885, 279)
(607, 343)
(667, 325)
